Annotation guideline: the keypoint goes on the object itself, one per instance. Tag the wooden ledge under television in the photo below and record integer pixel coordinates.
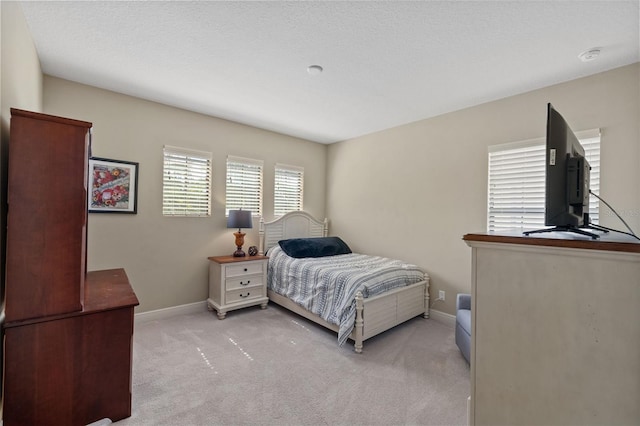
(611, 241)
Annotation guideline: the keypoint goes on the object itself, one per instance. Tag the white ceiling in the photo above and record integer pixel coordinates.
(385, 63)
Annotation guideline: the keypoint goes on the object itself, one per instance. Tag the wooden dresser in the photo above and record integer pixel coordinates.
(67, 333)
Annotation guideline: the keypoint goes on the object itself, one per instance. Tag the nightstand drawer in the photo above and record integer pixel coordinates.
(242, 294)
(244, 268)
(243, 281)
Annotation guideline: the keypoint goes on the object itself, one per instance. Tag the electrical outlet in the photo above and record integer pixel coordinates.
(441, 296)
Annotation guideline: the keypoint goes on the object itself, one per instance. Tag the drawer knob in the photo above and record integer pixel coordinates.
(245, 269)
(247, 283)
(244, 295)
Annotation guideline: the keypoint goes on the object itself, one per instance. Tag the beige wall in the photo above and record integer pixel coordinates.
(20, 87)
(166, 257)
(413, 191)
(20, 71)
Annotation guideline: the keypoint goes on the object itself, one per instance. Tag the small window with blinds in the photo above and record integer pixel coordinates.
(244, 185)
(516, 184)
(288, 189)
(186, 182)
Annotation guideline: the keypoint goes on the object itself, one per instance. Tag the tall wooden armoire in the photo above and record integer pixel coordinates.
(67, 332)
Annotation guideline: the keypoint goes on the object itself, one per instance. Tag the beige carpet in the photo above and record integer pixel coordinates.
(272, 367)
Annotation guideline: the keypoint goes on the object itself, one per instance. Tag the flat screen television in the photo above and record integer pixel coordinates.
(566, 180)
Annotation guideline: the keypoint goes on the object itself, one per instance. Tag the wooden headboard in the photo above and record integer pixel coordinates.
(297, 224)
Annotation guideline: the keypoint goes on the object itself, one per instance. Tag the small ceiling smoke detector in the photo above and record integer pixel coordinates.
(589, 55)
(314, 69)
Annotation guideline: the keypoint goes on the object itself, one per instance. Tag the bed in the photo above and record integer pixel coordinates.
(371, 307)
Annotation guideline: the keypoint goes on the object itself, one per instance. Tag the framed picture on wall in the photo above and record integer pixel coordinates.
(113, 186)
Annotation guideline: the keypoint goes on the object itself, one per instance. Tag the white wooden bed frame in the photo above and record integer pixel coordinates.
(373, 315)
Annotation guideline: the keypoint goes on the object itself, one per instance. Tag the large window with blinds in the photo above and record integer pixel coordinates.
(288, 189)
(516, 184)
(244, 185)
(186, 182)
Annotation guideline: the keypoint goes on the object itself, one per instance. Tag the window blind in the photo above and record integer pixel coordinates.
(591, 145)
(244, 185)
(186, 184)
(516, 183)
(288, 189)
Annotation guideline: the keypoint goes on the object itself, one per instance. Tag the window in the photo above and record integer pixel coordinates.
(516, 189)
(288, 189)
(244, 185)
(186, 183)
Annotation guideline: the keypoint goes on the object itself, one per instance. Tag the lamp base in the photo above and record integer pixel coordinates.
(239, 243)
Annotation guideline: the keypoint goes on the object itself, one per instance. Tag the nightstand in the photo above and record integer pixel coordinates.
(237, 282)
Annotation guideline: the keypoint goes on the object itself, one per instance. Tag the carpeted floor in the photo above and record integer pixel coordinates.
(272, 367)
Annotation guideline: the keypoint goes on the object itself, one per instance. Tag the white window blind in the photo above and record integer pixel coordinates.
(516, 184)
(244, 185)
(590, 141)
(288, 189)
(186, 184)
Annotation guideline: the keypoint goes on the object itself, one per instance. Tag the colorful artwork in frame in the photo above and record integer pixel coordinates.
(113, 186)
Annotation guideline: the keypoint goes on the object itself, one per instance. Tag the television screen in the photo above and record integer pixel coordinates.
(566, 180)
(567, 175)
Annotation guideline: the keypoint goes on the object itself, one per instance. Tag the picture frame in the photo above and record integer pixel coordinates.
(113, 186)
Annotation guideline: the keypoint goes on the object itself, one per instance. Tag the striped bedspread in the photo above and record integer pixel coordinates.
(327, 286)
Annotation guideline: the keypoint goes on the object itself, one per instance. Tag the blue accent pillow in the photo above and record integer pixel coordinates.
(314, 247)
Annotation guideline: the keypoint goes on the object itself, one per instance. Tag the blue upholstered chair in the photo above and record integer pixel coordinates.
(463, 325)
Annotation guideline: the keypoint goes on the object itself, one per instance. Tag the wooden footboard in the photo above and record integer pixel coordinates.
(373, 315)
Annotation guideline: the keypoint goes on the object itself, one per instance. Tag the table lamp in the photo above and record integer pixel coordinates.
(239, 219)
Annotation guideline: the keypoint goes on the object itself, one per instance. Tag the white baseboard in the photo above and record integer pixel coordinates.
(442, 317)
(158, 314)
(190, 308)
